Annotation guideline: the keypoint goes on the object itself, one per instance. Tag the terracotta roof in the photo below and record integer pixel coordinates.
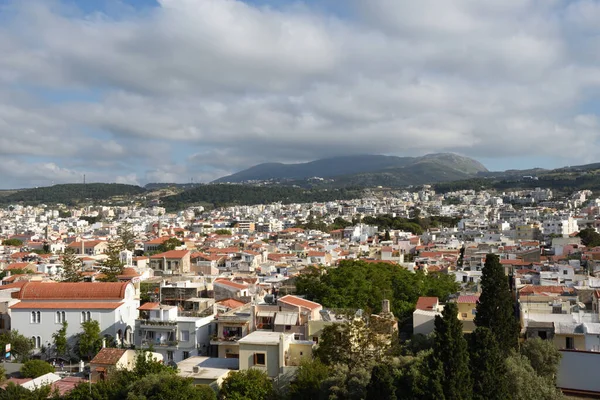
(531, 289)
(149, 306)
(231, 303)
(108, 356)
(426, 303)
(86, 243)
(66, 384)
(515, 262)
(231, 284)
(299, 302)
(44, 305)
(20, 265)
(171, 254)
(159, 240)
(68, 290)
(467, 299)
(316, 254)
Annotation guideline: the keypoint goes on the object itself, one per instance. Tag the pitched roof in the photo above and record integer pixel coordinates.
(20, 265)
(66, 305)
(230, 284)
(149, 306)
(108, 356)
(467, 299)
(86, 243)
(171, 254)
(426, 303)
(231, 303)
(68, 291)
(299, 302)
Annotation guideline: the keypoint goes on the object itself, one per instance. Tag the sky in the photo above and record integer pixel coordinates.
(138, 91)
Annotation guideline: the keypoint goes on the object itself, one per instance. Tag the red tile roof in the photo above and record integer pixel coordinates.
(149, 306)
(44, 305)
(536, 289)
(20, 265)
(231, 303)
(67, 291)
(108, 356)
(231, 284)
(467, 299)
(426, 303)
(299, 302)
(171, 254)
(86, 244)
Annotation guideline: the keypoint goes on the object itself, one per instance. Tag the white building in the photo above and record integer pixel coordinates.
(44, 306)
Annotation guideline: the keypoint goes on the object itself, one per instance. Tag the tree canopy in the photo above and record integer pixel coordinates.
(35, 368)
(358, 284)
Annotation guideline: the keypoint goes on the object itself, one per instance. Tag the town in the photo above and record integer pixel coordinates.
(211, 293)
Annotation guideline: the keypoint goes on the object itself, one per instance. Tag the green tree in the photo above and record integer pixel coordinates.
(495, 309)
(59, 337)
(450, 353)
(589, 237)
(308, 382)
(12, 242)
(13, 391)
(21, 346)
(126, 236)
(488, 369)
(381, 385)
(358, 342)
(35, 368)
(251, 384)
(170, 244)
(146, 364)
(543, 356)
(164, 386)
(223, 232)
(90, 341)
(2, 374)
(71, 266)
(348, 384)
(112, 266)
(525, 384)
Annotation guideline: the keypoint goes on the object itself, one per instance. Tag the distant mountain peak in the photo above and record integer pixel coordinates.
(443, 166)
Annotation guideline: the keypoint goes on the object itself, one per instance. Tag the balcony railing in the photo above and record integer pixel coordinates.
(168, 343)
(157, 323)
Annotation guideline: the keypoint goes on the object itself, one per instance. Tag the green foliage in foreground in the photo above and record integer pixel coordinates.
(358, 284)
(34, 368)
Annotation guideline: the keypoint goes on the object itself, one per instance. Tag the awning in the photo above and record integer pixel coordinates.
(266, 314)
(286, 318)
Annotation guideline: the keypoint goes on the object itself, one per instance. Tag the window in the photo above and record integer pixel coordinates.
(186, 355)
(288, 327)
(184, 336)
(565, 272)
(260, 359)
(464, 315)
(570, 343)
(170, 355)
(86, 316)
(316, 339)
(61, 317)
(36, 317)
(36, 341)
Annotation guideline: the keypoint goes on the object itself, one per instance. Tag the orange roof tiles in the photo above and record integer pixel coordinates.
(149, 306)
(231, 284)
(68, 290)
(231, 303)
(21, 265)
(171, 254)
(426, 303)
(108, 356)
(299, 302)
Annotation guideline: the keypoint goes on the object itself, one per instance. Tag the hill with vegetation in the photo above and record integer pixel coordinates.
(217, 195)
(71, 194)
(367, 170)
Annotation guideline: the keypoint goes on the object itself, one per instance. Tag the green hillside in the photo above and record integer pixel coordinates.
(71, 193)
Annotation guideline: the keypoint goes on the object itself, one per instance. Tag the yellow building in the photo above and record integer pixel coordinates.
(466, 311)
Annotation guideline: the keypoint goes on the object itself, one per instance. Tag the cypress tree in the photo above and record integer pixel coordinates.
(451, 355)
(488, 368)
(495, 309)
(381, 385)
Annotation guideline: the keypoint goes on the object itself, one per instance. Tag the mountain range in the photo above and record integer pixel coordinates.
(367, 170)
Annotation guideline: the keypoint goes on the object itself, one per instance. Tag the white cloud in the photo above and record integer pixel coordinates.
(201, 88)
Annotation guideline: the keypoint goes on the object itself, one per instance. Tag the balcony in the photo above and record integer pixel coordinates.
(155, 343)
(157, 324)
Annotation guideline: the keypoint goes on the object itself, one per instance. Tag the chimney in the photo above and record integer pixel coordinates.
(104, 343)
(385, 306)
